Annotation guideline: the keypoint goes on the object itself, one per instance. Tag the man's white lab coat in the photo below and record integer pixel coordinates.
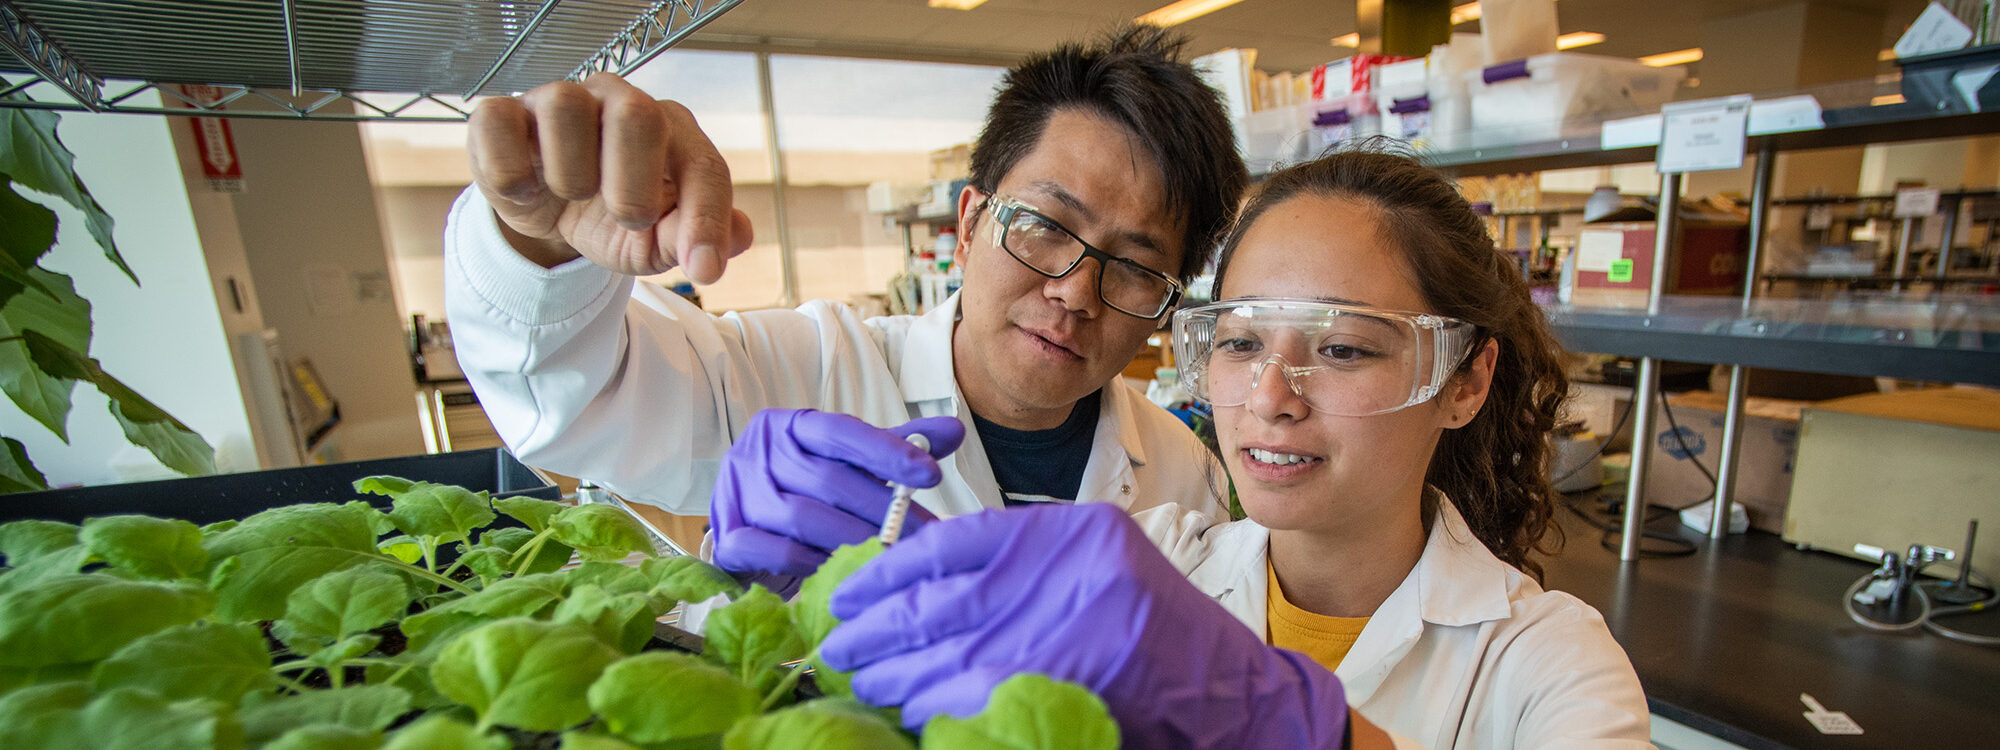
(1468, 652)
(587, 374)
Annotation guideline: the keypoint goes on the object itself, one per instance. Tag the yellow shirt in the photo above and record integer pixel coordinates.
(1325, 639)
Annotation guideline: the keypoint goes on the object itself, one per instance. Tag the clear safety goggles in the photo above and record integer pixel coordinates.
(1344, 360)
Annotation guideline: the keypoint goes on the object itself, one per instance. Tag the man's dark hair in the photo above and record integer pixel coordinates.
(1132, 76)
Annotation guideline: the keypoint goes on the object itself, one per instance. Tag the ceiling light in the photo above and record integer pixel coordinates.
(957, 4)
(1577, 39)
(1885, 100)
(1885, 55)
(1182, 11)
(1349, 40)
(1464, 13)
(1676, 57)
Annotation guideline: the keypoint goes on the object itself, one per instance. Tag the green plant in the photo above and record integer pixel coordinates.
(341, 626)
(45, 327)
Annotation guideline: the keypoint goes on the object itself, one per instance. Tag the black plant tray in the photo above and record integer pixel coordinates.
(205, 500)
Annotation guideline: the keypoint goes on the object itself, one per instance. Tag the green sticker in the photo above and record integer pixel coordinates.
(1621, 271)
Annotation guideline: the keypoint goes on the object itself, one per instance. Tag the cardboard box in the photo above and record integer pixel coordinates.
(1895, 469)
(1764, 474)
(1614, 263)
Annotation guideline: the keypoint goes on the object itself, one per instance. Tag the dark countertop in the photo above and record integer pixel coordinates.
(1726, 639)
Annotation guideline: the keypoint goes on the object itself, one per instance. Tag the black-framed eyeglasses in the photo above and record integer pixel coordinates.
(1052, 250)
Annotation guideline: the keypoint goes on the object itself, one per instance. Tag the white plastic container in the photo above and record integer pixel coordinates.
(1547, 97)
(1276, 137)
(1402, 97)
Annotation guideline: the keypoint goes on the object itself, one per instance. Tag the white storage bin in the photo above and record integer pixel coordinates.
(1545, 97)
(1276, 136)
(1402, 96)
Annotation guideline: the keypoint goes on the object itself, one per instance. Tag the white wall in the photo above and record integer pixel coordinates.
(313, 240)
(164, 338)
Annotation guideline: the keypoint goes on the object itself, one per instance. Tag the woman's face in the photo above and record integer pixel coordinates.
(1355, 468)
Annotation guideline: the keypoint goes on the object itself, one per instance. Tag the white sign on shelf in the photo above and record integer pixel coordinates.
(1935, 30)
(1643, 130)
(1916, 203)
(1703, 135)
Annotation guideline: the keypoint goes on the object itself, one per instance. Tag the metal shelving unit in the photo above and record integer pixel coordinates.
(1932, 336)
(292, 59)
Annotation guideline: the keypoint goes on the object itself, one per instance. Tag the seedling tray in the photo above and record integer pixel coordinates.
(205, 500)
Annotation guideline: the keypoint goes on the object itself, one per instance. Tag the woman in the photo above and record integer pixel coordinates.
(1382, 384)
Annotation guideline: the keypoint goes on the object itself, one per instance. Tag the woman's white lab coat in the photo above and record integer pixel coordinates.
(1468, 652)
(636, 389)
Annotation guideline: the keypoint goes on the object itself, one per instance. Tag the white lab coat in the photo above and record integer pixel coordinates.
(1468, 652)
(587, 374)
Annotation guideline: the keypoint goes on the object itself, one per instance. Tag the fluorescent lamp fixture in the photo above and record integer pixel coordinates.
(1676, 57)
(1182, 11)
(1464, 13)
(1885, 100)
(1577, 39)
(957, 4)
(1885, 55)
(1348, 40)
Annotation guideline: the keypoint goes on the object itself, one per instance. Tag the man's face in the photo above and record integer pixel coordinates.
(1027, 346)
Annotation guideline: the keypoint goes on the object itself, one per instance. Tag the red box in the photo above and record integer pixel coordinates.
(1614, 262)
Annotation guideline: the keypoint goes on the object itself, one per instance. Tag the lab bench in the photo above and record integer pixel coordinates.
(1726, 641)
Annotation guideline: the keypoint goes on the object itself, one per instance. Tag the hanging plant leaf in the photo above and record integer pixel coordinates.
(146, 425)
(33, 154)
(30, 232)
(17, 473)
(53, 310)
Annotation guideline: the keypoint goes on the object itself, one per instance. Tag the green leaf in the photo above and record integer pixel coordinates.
(342, 603)
(600, 532)
(23, 541)
(823, 724)
(32, 153)
(534, 512)
(489, 563)
(43, 716)
(402, 547)
(326, 737)
(614, 578)
(809, 608)
(581, 741)
(366, 708)
(278, 550)
(683, 578)
(441, 733)
(752, 636)
(139, 720)
(17, 473)
(197, 660)
(83, 618)
(53, 310)
(49, 307)
(528, 595)
(176, 446)
(443, 512)
(30, 233)
(706, 699)
(61, 563)
(148, 546)
(624, 621)
(551, 558)
(524, 673)
(210, 531)
(1029, 712)
(414, 680)
(145, 425)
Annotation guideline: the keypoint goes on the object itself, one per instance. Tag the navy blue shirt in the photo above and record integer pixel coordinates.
(1041, 466)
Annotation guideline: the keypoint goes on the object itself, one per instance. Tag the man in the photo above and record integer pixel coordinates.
(1098, 187)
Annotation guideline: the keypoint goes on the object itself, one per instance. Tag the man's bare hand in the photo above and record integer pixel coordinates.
(600, 169)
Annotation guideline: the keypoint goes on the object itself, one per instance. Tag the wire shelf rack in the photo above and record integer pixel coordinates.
(297, 59)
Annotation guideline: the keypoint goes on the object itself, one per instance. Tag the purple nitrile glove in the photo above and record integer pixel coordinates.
(798, 483)
(1077, 593)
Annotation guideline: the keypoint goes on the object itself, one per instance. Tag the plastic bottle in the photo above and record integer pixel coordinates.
(946, 249)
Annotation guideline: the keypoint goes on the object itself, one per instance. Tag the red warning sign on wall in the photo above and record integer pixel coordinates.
(214, 144)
